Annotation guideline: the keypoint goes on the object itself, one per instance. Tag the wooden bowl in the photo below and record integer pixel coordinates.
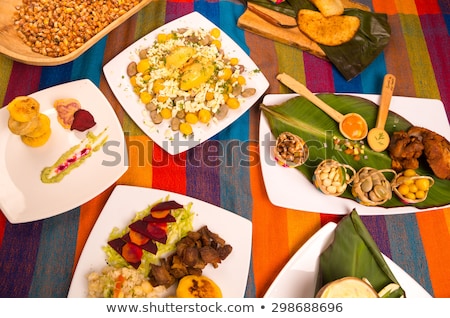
(12, 45)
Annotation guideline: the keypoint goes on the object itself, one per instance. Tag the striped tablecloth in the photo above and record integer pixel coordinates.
(37, 259)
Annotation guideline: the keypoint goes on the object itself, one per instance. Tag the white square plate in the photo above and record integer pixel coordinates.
(174, 143)
(298, 277)
(125, 201)
(289, 188)
(23, 196)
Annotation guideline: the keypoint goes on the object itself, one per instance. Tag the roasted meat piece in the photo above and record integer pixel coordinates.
(436, 150)
(406, 148)
(405, 151)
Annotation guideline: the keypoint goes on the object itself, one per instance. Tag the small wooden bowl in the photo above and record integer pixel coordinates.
(301, 155)
(401, 179)
(12, 45)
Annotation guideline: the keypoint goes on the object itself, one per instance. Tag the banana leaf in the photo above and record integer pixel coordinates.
(353, 252)
(299, 116)
(352, 57)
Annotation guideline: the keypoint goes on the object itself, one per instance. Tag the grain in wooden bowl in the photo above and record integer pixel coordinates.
(88, 32)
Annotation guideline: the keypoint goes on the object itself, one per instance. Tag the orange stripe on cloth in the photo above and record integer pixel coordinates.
(270, 239)
(89, 213)
(301, 226)
(434, 230)
(395, 6)
(139, 171)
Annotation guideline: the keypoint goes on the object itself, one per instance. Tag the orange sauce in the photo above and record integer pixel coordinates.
(353, 126)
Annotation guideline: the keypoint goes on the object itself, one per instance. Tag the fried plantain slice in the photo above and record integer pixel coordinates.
(22, 128)
(23, 108)
(36, 141)
(42, 127)
(331, 31)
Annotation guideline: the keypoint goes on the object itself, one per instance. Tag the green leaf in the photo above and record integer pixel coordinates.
(353, 252)
(299, 116)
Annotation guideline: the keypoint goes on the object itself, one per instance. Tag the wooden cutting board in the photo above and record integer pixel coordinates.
(254, 23)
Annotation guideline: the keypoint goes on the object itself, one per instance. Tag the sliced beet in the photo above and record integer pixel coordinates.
(132, 253)
(150, 230)
(118, 245)
(149, 246)
(168, 219)
(166, 205)
(82, 120)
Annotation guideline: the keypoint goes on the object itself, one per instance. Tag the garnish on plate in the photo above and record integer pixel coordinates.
(71, 116)
(73, 157)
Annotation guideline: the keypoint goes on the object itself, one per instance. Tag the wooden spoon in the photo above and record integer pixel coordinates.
(378, 138)
(352, 125)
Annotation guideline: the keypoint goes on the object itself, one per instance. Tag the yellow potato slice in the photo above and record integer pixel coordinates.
(331, 31)
(23, 108)
(329, 7)
(42, 128)
(22, 128)
(36, 141)
(193, 286)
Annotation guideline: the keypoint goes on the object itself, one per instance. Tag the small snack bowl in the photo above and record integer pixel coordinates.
(370, 186)
(412, 188)
(290, 150)
(332, 177)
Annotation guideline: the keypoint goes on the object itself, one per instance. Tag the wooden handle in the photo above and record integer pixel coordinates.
(386, 94)
(301, 89)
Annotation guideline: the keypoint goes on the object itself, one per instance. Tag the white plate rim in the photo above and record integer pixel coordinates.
(294, 184)
(315, 246)
(13, 203)
(236, 264)
(115, 74)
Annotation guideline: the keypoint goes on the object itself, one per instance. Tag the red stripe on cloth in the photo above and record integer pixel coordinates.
(2, 227)
(325, 218)
(318, 73)
(169, 172)
(428, 7)
(27, 86)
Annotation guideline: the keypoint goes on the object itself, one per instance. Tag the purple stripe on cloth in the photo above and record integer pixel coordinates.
(202, 172)
(376, 225)
(438, 43)
(407, 249)
(176, 9)
(28, 85)
(17, 258)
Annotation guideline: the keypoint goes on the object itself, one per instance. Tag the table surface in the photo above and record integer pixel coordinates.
(37, 259)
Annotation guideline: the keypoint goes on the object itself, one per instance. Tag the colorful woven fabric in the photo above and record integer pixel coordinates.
(37, 259)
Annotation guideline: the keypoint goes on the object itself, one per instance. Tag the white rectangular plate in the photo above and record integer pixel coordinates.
(288, 188)
(126, 201)
(298, 277)
(174, 143)
(23, 196)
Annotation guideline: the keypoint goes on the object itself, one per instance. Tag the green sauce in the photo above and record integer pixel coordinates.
(73, 157)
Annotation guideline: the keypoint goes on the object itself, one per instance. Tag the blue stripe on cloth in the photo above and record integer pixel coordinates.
(89, 64)
(235, 193)
(55, 75)
(14, 264)
(341, 85)
(407, 250)
(202, 168)
(57, 246)
(229, 15)
(210, 9)
(372, 77)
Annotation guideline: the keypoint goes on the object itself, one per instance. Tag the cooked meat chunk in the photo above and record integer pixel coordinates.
(406, 148)
(193, 252)
(436, 150)
(404, 151)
